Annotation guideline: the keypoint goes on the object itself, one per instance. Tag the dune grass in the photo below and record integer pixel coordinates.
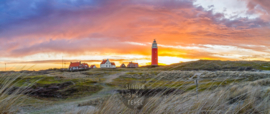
(10, 102)
(217, 91)
(233, 98)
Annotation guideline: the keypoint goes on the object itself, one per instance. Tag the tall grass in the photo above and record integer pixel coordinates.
(249, 95)
(11, 98)
(243, 99)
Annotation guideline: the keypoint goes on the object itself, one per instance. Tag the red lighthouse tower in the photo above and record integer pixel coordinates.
(154, 54)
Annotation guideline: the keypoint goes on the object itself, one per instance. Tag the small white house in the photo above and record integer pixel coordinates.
(107, 64)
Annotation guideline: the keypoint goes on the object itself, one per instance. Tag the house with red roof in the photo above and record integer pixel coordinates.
(93, 66)
(123, 65)
(132, 65)
(85, 65)
(107, 64)
(78, 66)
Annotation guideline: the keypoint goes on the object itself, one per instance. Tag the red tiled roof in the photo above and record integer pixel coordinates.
(75, 64)
(84, 63)
(92, 66)
(103, 61)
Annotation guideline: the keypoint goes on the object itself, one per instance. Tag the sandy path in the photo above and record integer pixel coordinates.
(113, 76)
(70, 106)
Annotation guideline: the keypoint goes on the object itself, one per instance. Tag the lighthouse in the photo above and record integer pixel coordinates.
(154, 54)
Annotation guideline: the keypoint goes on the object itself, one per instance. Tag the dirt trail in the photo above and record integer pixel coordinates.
(113, 76)
(70, 106)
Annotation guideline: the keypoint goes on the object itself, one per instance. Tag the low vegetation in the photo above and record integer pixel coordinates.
(214, 65)
(52, 86)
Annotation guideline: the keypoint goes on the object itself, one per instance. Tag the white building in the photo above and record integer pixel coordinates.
(107, 64)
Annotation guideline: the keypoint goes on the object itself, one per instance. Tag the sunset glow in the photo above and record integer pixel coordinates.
(44, 34)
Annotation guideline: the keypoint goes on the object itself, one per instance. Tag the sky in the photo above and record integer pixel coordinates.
(40, 34)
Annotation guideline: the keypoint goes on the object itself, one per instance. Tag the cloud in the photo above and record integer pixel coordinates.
(78, 27)
(60, 61)
(136, 43)
(260, 7)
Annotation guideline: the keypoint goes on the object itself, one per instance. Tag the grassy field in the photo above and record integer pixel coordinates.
(220, 65)
(222, 87)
